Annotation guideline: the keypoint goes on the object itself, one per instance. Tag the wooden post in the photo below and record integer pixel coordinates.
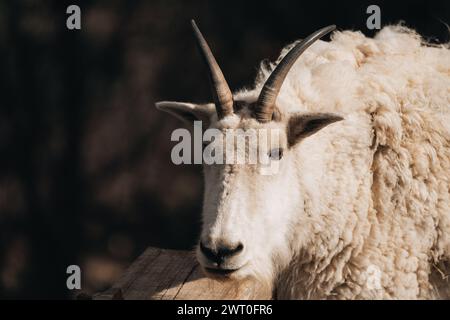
(160, 274)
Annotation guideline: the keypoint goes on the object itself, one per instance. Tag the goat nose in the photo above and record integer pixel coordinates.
(221, 253)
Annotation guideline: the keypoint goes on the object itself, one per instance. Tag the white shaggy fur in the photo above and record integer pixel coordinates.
(367, 194)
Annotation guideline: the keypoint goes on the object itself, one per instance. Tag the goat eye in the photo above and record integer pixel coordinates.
(276, 154)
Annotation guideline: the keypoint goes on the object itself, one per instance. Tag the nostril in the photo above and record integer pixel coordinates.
(221, 253)
(238, 248)
(208, 252)
(227, 252)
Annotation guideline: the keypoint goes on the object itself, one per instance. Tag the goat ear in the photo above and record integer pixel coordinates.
(304, 125)
(188, 112)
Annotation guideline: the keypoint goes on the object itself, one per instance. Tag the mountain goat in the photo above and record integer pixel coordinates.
(360, 205)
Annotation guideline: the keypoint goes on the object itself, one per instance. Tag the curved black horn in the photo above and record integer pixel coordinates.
(272, 86)
(223, 98)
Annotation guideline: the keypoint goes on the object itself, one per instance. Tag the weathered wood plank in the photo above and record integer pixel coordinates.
(198, 286)
(171, 274)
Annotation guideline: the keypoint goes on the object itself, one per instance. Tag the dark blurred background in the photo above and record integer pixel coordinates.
(85, 170)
